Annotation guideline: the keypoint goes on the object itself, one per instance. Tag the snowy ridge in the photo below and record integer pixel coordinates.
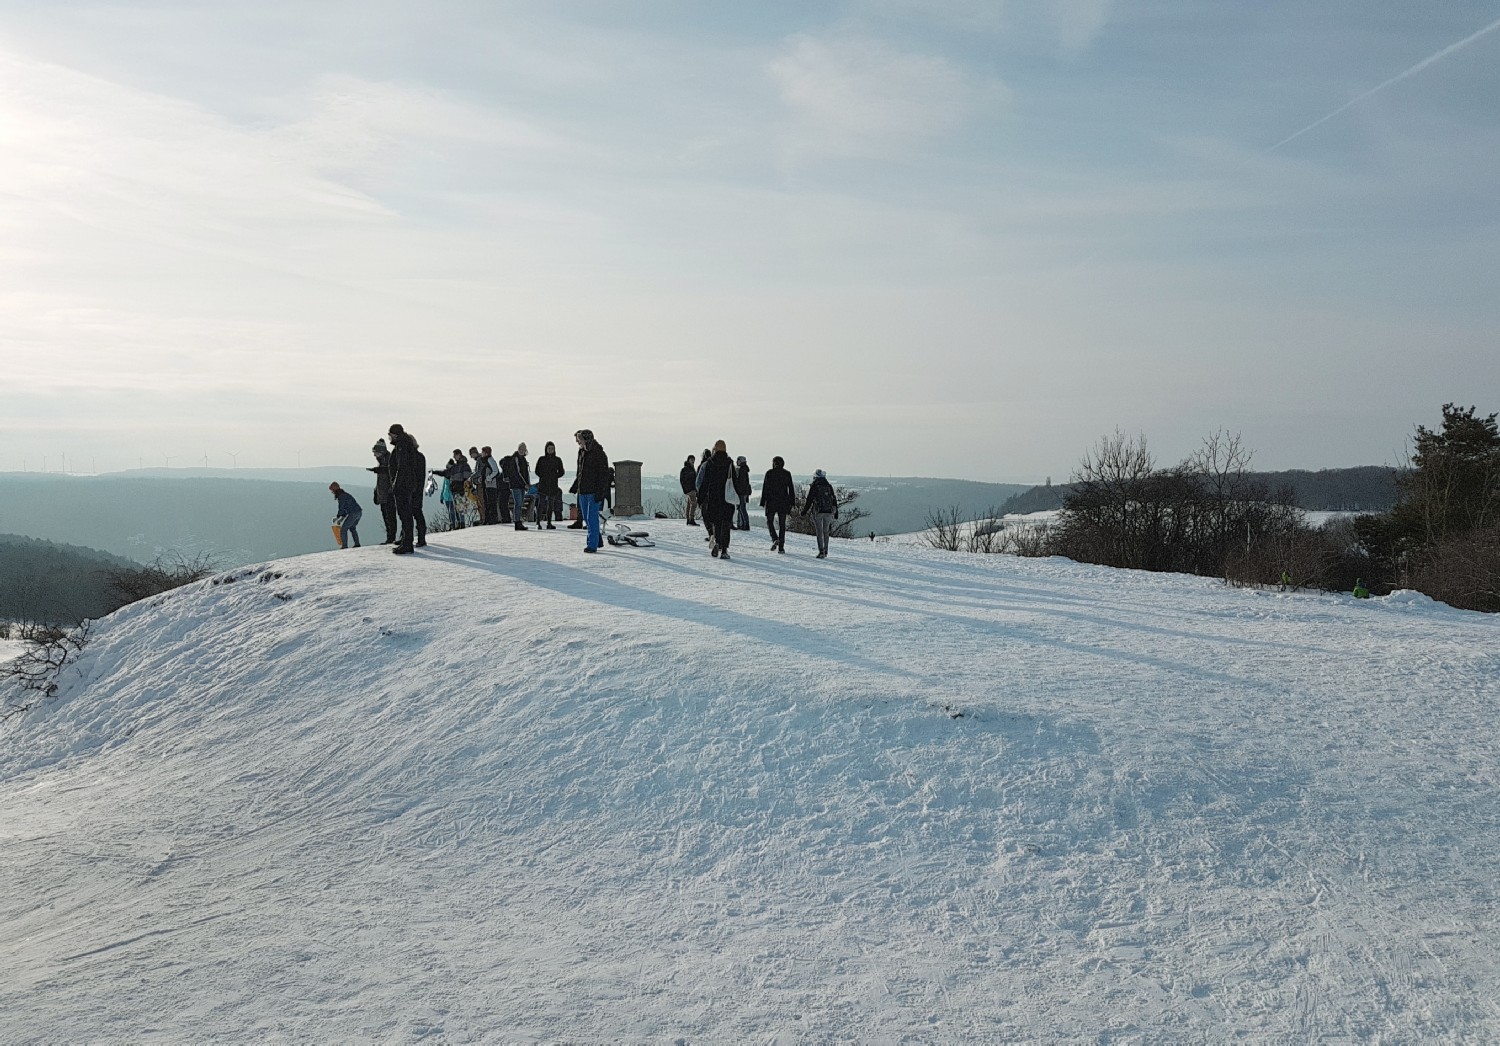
(505, 791)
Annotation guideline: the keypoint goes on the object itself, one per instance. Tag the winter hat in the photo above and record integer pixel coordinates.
(395, 430)
(740, 460)
(819, 474)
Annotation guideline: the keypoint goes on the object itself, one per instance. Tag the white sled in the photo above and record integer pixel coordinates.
(625, 535)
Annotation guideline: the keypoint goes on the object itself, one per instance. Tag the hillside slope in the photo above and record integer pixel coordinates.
(503, 790)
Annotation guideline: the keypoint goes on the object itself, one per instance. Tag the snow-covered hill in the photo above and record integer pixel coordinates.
(502, 790)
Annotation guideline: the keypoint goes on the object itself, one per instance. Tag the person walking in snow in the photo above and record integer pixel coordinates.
(697, 486)
(549, 470)
(778, 495)
(408, 472)
(347, 515)
(592, 483)
(717, 498)
(518, 478)
(383, 495)
(823, 503)
(742, 491)
(688, 480)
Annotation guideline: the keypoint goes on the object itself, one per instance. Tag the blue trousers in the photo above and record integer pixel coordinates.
(588, 506)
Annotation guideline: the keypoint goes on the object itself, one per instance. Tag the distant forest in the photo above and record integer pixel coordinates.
(44, 582)
(1367, 488)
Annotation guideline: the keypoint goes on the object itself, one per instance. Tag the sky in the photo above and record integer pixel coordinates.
(883, 237)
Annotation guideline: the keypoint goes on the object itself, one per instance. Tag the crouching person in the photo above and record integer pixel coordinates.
(348, 515)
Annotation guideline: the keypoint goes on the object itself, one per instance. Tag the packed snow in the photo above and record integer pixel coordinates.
(502, 790)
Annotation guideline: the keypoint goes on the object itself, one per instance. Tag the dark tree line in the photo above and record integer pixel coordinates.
(1443, 537)
(1211, 515)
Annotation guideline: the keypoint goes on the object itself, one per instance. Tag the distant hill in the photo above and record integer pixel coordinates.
(1364, 488)
(47, 582)
(896, 504)
(236, 520)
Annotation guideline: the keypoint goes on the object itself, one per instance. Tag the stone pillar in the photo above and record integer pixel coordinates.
(627, 488)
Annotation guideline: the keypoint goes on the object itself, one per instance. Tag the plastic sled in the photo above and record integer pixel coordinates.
(624, 535)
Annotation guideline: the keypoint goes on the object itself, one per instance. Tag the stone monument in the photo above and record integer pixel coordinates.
(628, 488)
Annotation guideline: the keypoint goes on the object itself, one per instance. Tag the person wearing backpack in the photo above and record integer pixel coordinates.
(778, 496)
(717, 498)
(823, 503)
(549, 470)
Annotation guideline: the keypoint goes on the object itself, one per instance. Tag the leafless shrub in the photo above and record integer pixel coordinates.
(169, 571)
(32, 678)
(946, 528)
(1462, 571)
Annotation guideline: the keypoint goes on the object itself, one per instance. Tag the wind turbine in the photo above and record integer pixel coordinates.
(234, 458)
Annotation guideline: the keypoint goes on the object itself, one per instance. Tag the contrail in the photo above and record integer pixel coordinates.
(1413, 71)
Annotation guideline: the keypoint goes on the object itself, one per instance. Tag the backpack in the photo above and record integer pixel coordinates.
(823, 497)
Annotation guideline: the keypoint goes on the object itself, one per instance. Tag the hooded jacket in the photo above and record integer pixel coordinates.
(593, 470)
(549, 469)
(408, 466)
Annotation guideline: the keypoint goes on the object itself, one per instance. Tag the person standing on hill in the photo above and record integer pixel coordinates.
(408, 473)
(714, 494)
(593, 484)
(347, 516)
(456, 472)
(688, 480)
(778, 495)
(482, 483)
(495, 486)
(518, 477)
(549, 470)
(742, 490)
(383, 496)
(823, 503)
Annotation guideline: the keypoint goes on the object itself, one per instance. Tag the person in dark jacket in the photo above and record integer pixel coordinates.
(714, 492)
(822, 501)
(549, 470)
(518, 478)
(688, 479)
(697, 485)
(456, 472)
(346, 516)
(778, 495)
(593, 484)
(482, 483)
(383, 496)
(742, 490)
(408, 473)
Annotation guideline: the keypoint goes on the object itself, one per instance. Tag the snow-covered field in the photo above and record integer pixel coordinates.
(505, 791)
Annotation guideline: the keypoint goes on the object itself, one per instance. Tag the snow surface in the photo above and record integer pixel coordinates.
(11, 649)
(503, 790)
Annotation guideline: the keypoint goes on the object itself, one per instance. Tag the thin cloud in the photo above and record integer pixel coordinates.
(1404, 75)
(854, 94)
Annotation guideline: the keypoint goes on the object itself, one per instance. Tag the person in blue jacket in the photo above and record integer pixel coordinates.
(348, 515)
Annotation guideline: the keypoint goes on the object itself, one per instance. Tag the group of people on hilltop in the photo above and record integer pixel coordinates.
(498, 489)
(719, 490)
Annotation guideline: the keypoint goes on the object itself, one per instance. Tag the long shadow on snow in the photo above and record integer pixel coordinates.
(1032, 635)
(584, 584)
(1000, 599)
